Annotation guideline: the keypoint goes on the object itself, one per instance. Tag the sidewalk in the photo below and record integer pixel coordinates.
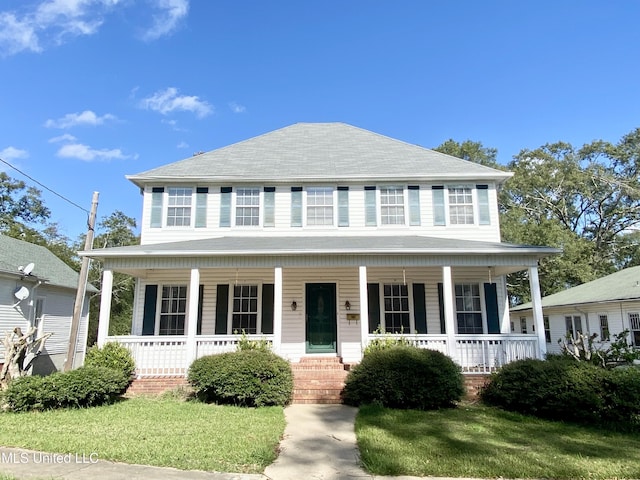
(319, 444)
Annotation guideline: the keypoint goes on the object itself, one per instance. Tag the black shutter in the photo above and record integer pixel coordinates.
(443, 326)
(491, 302)
(149, 315)
(419, 308)
(373, 292)
(200, 297)
(222, 309)
(267, 308)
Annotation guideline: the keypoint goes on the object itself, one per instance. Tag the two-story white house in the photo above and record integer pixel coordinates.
(317, 237)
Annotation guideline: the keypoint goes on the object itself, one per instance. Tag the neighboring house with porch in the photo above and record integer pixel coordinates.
(605, 306)
(38, 289)
(316, 237)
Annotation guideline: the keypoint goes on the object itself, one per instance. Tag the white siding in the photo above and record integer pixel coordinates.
(617, 315)
(356, 219)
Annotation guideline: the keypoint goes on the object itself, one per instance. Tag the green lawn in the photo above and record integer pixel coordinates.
(155, 431)
(477, 441)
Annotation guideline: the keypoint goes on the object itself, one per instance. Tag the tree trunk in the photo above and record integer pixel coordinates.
(20, 350)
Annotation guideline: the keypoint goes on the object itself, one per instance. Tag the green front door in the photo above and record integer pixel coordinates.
(321, 317)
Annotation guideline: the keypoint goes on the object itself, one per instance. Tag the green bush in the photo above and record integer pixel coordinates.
(83, 387)
(622, 395)
(385, 341)
(251, 378)
(111, 355)
(404, 377)
(555, 389)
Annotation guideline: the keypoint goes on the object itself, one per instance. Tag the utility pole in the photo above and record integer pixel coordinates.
(82, 287)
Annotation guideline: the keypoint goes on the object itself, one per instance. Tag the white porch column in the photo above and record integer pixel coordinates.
(536, 304)
(449, 312)
(277, 309)
(364, 306)
(105, 306)
(192, 319)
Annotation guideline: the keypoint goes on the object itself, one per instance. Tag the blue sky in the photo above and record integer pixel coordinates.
(93, 90)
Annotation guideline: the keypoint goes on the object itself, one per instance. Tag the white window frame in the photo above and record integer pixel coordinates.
(601, 327)
(160, 303)
(574, 331)
(384, 311)
(190, 206)
(472, 204)
(334, 205)
(231, 311)
(404, 205)
(634, 327)
(523, 325)
(235, 206)
(547, 328)
(481, 311)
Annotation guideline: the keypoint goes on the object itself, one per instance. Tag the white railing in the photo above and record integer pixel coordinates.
(477, 353)
(165, 356)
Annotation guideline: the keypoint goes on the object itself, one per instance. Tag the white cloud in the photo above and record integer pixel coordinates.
(84, 118)
(167, 21)
(182, 144)
(237, 108)
(13, 153)
(168, 101)
(63, 138)
(88, 154)
(44, 23)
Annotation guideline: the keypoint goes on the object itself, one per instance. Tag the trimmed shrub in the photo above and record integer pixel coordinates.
(622, 395)
(83, 387)
(251, 378)
(111, 355)
(555, 389)
(404, 377)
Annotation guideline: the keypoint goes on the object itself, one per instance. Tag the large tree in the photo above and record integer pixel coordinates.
(585, 201)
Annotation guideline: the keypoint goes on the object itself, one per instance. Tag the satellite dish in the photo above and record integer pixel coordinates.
(28, 269)
(21, 293)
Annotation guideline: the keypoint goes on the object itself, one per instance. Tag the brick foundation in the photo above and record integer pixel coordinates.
(155, 385)
(473, 383)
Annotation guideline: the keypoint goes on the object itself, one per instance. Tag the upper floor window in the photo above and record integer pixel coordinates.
(392, 206)
(320, 206)
(247, 206)
(461, 205)
(179, 207)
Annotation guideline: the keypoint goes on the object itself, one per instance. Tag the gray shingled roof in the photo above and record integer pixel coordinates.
(306, 152)
(303, 245)
(15, 253)
(622, 285)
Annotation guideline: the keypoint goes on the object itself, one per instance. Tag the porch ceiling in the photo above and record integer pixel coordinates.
(322, 250)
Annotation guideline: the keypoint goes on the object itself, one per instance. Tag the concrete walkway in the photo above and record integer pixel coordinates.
(319, 444)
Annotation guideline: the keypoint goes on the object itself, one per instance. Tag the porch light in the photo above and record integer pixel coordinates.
(347, 305)
(294, 305)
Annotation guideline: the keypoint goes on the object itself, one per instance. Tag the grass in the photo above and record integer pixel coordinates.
(155, 431)
(478, 441)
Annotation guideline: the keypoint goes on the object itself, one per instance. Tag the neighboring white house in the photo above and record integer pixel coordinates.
(38, 289)
(606, 306)
(314, 237)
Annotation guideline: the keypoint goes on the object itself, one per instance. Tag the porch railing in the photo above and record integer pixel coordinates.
(163, 356)
(477, 353)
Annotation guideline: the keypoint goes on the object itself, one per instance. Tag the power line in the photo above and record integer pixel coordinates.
(45, 187)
